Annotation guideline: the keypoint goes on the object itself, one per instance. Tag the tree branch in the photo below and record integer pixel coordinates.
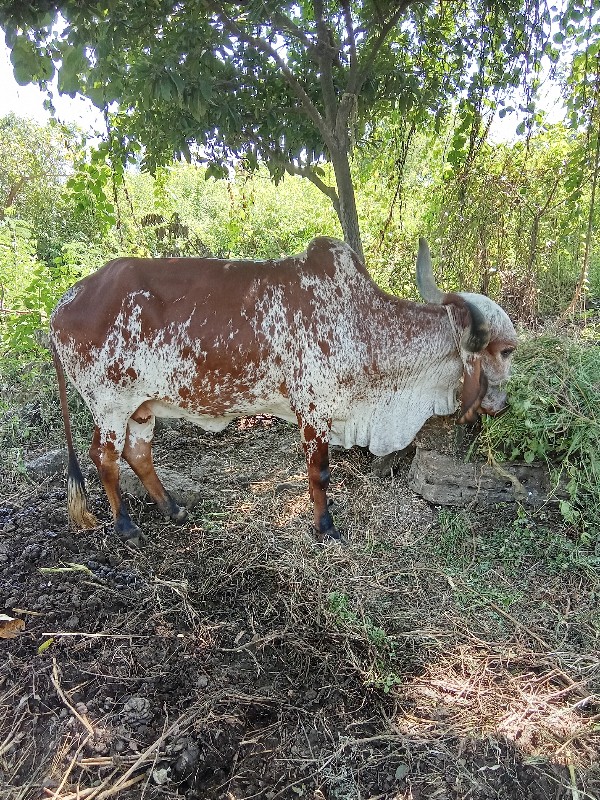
(326, 54)
(350, 31)
(359, 74)
(309, 174)
(311, 110)
(12, 195)
(286, 24)
(277, 157)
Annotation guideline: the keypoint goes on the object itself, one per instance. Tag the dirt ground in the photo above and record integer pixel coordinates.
(437, 654)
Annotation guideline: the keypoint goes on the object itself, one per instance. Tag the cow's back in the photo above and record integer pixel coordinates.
(211, 297)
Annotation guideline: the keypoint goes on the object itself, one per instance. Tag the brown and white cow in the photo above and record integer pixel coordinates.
(309, 338)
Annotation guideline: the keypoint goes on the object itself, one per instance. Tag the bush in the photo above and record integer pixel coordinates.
(555, 417)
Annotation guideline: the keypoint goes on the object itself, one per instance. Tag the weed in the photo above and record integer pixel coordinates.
(520, 544)
(381, 673)
(555, 417)
(490, 565)
(455, 533)
(30, 411)
(385, 680)
(476, 592)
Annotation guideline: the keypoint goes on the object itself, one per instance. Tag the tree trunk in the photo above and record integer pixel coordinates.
(582, 283)
(12, 196)
(585, 270)
(347, 213)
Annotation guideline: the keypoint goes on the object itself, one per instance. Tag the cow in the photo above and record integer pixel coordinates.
(309, 339)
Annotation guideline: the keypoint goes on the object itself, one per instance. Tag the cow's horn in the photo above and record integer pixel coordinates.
(425, 280)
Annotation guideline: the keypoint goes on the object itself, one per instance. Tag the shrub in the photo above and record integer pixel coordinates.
(555, 417)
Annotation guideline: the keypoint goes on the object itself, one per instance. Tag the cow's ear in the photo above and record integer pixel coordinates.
(474, 388)
(477, 335)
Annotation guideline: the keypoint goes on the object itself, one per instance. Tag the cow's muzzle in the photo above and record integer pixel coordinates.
(495, 402)
(491, 401)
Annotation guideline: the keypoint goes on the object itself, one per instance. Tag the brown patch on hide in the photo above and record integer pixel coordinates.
(142, 413)
(115, 372)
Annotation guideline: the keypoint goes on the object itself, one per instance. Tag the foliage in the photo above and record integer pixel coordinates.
(382, 674)
(88, 193)
(35, 163)
(580, 29)
(242, 217)
(30, 410)
(555, 417)
(33, 160)
(516, 546)
(290, 84)
(22, 277)
(43, 286)
(30, 287)
(17, 258)
(511, 224)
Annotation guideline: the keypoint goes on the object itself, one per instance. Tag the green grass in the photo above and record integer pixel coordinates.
(382, 670)
(518, 544)
(555, 418)
(30, 416)
(497, 560)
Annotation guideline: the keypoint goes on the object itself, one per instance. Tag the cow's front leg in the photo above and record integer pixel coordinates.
(316, 450)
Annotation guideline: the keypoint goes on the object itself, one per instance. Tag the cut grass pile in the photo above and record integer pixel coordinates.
(555, 417)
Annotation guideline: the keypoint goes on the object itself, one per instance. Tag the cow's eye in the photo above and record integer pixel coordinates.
(507, 352)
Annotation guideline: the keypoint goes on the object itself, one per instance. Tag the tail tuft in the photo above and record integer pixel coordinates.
(77, 505)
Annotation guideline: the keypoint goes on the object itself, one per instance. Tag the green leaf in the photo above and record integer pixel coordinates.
(206, 90)
(73, 64)
(178, 82)
(22, 73)
(24, 60)
(97, 93)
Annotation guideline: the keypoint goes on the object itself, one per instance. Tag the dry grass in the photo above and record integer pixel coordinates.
(420, 658)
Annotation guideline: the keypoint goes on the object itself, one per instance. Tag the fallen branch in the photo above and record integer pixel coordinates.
(56, 683)
(91, 792)
(55, 794)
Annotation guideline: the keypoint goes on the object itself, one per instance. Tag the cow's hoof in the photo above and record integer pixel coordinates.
(130, 535)
(179, 516)
(330, 535)
(134, 540)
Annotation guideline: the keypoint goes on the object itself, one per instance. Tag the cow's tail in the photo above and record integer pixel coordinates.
(77, 503)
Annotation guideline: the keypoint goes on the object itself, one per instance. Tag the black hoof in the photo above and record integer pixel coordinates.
(179, 516)
(330, 535)
(130, 534)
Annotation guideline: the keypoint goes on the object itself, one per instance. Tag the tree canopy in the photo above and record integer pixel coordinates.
(290, 84)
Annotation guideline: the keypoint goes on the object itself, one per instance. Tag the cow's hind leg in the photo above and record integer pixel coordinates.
(316, 450)
(138, 454)
(105, 452)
